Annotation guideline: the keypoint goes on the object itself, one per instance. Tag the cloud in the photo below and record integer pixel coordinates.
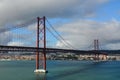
(18, 11)
(5, 38)
(15, 44)
(18, 37)
(81, 34)
(14, 10)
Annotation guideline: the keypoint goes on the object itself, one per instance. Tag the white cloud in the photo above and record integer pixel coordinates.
(64, 44)
(81, 33)
(15, 44)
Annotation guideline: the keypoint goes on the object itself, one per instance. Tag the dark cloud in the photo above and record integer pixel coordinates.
(14, 10)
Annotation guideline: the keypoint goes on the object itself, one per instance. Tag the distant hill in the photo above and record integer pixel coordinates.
(111, 51)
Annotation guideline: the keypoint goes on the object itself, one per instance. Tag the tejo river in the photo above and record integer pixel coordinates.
(61, 70)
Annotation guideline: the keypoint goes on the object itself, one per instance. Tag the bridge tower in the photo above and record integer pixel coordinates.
(96, 45)
(96, 48)
(98, 56)
(41, 41)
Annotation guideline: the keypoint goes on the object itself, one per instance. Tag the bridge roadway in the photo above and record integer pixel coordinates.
(48, 50)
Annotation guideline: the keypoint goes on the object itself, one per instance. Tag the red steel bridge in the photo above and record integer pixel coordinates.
(40, 47)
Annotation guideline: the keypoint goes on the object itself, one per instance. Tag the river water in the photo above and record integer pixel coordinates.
(61, 70)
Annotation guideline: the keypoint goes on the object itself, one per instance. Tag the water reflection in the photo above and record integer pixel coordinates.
(40, 76)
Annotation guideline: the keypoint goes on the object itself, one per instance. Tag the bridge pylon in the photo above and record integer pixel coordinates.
(96, 48)
(99, 55)
(41, 41)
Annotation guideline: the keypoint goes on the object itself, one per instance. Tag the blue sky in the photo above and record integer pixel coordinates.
(78, 21)
(108, 11)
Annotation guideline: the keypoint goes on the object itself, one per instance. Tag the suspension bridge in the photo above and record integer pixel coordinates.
(38, 37)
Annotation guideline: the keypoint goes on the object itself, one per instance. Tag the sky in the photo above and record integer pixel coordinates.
(78, 21)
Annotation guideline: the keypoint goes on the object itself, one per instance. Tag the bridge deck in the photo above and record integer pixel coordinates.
(34, 49)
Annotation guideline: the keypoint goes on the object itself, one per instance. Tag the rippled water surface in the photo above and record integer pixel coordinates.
(61, 70)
